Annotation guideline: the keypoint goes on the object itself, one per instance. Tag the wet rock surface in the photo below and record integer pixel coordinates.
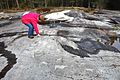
(5, 22)
(62, 53)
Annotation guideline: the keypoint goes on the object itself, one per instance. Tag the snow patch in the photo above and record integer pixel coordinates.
(44, 63)
(26, 13)
(98, 23)
(67, 42)
(59, 16)
(60, 67)
(89, 70)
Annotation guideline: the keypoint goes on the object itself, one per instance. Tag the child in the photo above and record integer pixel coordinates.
(31, 19)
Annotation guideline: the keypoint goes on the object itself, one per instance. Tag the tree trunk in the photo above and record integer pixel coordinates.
(62, 3)
(45, 3)
(7, 4)
(17, 4)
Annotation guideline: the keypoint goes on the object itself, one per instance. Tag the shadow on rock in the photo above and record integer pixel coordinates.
(88, 47)
(20, 34)
(11, 34)
(11, 58)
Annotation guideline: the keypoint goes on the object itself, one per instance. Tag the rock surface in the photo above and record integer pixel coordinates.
(62, 53)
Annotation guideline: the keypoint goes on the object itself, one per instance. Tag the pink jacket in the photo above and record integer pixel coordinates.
(31, 18)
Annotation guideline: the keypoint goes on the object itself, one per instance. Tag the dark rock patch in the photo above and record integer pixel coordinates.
(77, 52)
(11, 34)
(16, 17)
(5, 22)
(88, 47)
(11, 58)
(63, 33)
